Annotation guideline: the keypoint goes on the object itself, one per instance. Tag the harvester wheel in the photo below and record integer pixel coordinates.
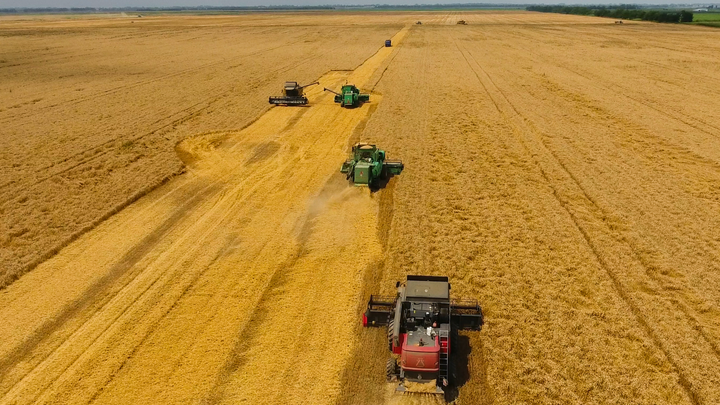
(391, 328)
(392, 369)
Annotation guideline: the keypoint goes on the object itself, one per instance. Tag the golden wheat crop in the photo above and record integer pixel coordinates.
(563, 170)
(91, 109)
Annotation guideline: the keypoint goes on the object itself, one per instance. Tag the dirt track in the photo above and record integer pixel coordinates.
(556, 168)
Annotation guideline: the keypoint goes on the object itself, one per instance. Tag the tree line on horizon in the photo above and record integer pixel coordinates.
(626, 12)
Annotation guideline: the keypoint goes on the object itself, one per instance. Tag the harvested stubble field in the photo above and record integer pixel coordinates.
(561, 169)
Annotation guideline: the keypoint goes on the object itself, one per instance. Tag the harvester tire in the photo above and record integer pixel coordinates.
(391, 327)
(391, 370)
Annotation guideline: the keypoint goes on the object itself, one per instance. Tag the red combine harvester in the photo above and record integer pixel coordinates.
(421, 321)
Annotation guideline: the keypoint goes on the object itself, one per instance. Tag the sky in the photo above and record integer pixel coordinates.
(170, 3)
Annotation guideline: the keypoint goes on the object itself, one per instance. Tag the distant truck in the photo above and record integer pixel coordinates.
(388, 43)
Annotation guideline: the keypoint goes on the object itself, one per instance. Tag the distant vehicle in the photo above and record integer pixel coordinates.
(388, 43)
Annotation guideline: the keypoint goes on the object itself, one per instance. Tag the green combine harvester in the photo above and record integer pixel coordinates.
(349, 96)
(367, 164)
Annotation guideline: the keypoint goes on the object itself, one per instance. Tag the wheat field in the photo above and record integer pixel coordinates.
(169, 238)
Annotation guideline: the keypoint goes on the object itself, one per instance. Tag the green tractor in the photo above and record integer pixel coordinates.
(367, 164)
(349, 96)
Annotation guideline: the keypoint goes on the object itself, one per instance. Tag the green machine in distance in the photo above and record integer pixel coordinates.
(349, 96)
(367, 164)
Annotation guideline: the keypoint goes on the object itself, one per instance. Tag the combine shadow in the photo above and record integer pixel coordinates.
(459, 371)
(380, 183)
(358, 105)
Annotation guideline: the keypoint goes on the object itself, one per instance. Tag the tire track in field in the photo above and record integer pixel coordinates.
(691, 310)
(240, 200)
(125, 304)
(43, 61)
(679, 303)
(137, 84)
(664, 145)
(156, 287)
(516, 119)
(363, 367)
(191, 112)
(128, 86)
(685, 119)
(98, 289)
(425, 194)
(105, 284)
(364, 375)
(132, 354)
(591, 82)
(469, 345)
(260, 311)
(263, 310)
(125, 312)
(187, 113)
(680, 49)
(209, 100)
(624, 92)
(265, 313)
(694, 76)
(237, 356)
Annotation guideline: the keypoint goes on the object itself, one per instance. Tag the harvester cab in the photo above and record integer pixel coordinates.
(421, 321)
(293, 94)
(349, 96)
(367, 164)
